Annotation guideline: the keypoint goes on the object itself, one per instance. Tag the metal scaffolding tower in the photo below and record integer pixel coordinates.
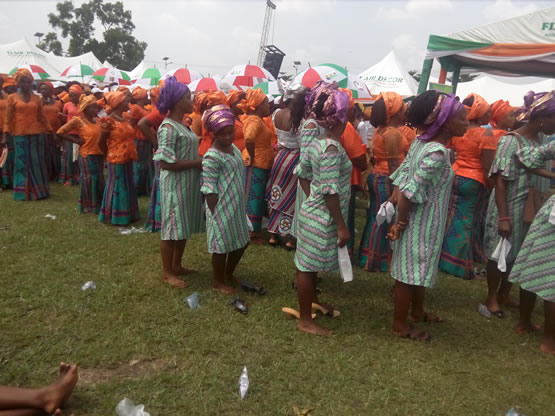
(270, 7)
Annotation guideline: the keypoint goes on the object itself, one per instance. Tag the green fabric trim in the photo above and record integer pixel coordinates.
(425, 75)
(338, 68)
(443, 43)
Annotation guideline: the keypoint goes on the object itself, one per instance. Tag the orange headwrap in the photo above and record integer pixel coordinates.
(124, 89)
(478, 109)
(9, 82)
(139, 93)
(154, 95)
(47, 83)
(499, 111)
(254, 99)
(114, 99)
(64, 97)
(85, 101)
(233, 97)
(22, 73)
(76, 89)
(205, 100)
(393, 103)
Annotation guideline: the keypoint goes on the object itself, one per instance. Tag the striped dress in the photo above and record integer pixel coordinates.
(316, 230)
(534, 267)
(425, 178)
(180, 201)
(223, 175)
(517, 185)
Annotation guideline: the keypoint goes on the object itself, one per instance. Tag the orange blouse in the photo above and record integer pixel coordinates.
(239, 140)
(196, 124)
(256, 131)
(121, 144)
(3, 104)
(381, 165)
(52, 113)
(467, 149)
(409, 134)
(205, 141)
(490, 142)
(354, 147)
(136, 112)
(89, 132)
(70, 110)
(25, 118)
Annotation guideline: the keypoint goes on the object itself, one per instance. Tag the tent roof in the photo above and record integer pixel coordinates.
(523, 45)
(389, 75)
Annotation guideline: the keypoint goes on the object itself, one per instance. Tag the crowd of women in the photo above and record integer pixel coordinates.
(452, 185)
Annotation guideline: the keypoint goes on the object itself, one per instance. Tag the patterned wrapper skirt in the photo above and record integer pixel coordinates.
(281, 191)
(143, 168)
(92, 183)
(30, 179)
(119, 203)
(7, 169)
(375, 251)
(463, 237)
(535, 264)
(69, 170)
(154, 219)
(53, 158)
(256, 205)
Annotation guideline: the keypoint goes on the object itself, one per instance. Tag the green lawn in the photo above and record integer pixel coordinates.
(135, 337)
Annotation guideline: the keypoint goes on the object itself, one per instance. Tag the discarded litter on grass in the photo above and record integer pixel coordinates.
(513, 412)
(484, 311)
(193, 301)
(345, 266)
(89, 285)
(243, 383)
(132, 230)
(52, 217)
(127, 408)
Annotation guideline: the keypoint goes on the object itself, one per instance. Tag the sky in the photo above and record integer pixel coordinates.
(212, 36)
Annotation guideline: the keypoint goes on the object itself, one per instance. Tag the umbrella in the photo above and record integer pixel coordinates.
(271, 88)
(37, 72)
(184, 75)
(150, 77)
(204, 84)
(247, 76)
(77, 71)
(330, 73)
(108, 75)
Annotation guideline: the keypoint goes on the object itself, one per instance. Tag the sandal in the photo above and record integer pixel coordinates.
(428, 317)
(252, 287)
(327, 311)
(240, 305)
(274, 241)
(293, 314)
(290, 246)
(500, 313)
(415, 335)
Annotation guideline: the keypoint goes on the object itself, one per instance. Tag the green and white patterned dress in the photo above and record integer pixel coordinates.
(223, 174)
(517, 185)
(180, 199)
(534, 268)
(330, 172)
(425, 177)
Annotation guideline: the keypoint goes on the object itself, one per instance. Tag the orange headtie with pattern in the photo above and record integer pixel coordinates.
(139, 93)
(114, 99)
(253, 99)
(479, 107)
(499, 111)
(22, 73)
(393, 103)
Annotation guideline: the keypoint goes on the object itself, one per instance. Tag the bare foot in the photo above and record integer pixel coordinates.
(508, 301)
(414, 334)
(526, 328)
(425, 317)
(313, 328)
(547, 349)
(184, 271)
(174, 281)
(223, 288)
(58, 392)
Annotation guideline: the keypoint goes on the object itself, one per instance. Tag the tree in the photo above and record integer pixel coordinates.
(118, 46)
(415, 74)
(51, 44)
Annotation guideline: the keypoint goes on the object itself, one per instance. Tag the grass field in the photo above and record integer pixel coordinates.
(135, 337)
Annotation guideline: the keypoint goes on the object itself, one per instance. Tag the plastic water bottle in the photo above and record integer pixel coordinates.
(244, 383)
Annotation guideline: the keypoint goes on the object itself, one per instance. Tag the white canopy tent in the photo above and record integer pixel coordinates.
(389, 75)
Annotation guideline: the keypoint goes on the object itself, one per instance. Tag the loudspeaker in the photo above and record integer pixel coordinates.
(273, 60)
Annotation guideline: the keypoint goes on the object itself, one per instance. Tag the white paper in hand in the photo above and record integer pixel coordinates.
(500, 254)
(385, 213)
(552, 215)
(345, 267)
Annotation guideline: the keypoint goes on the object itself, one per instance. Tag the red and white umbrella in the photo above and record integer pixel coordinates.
(247, 76)
(108, 75)
(35, 70)
(77, 71)
(184, 75)
(204, 84)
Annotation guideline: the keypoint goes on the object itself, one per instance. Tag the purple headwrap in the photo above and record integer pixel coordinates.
(172, 92)
(218, 117)
(447, 105)
(542, 103)
(336, 106)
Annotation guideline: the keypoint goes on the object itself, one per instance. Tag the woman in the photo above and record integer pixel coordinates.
(92, 151)
(233, 99)
(463, 244)
(52, 110)
(180, 167)
(7, 87)
(424, 180)
(26, 123)
(502, 120)
(282, 186)
(143, 168)
(204, 102)
(325, 178)
(506, 210)
(389, 147)
(119, 201)
(69, 169)
(259, 157)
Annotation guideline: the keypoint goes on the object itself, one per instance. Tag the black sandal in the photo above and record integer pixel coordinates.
(240, 305)
(252, 287)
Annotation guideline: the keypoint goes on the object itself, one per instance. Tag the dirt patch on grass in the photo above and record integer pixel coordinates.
(126, 370)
